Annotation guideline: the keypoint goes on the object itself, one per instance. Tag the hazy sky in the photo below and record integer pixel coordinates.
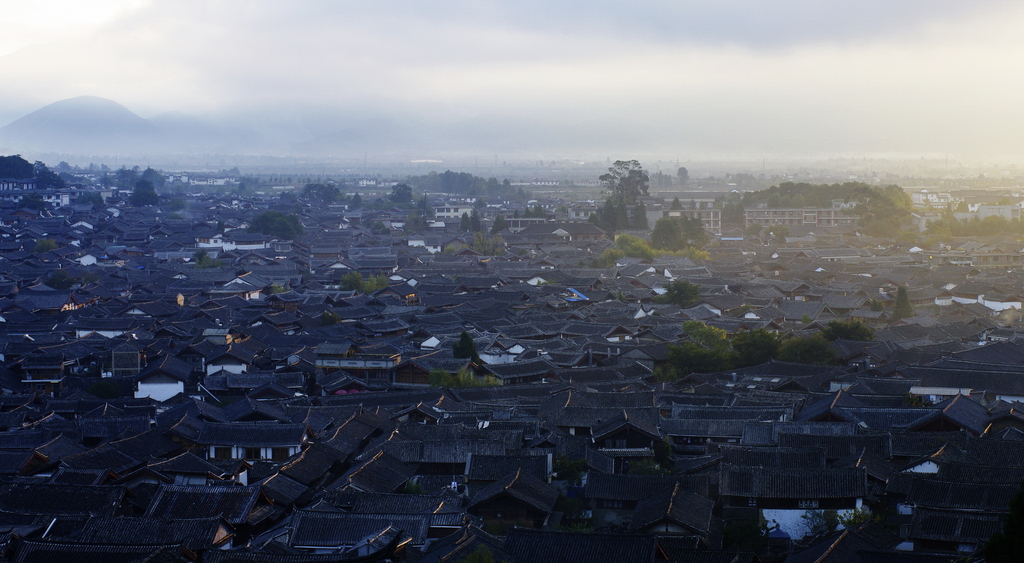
(812, 77)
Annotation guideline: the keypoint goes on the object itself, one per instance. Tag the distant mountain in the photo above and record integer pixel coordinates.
(83, 125)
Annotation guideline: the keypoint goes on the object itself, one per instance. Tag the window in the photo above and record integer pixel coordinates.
(278, 454)
(222, 452)
(752, 501)
(253, 453)
(808, 503)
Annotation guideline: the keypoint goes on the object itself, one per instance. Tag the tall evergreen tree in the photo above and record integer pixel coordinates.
(465, 225)
(902, 308)
(640, 216)
(466, 348)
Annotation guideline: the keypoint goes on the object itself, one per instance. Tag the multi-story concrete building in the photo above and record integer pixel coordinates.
(818, 217)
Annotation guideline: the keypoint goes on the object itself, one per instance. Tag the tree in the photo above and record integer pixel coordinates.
(779, 231)
(44, 245)
(678, 233)
(474, 221)
(356, 202)
(676, 205)
(46, 179)
(61, 280)
(500, 224)
(32, 201)
(1008, 545)
(144, 194)
(203, 260)
(812, 349)
(93, 198)
(324, 193)
(706, 350)
(755, 347)
(465, 224)
(401, 193)
(640, 216)
(627, 180)
(328, 318)
(15, 167)
(466, 348)
(848, 330)
(125, 178)
(902, 309)
(680, 292)
(277, 224)
(154, 177)
(683, 174)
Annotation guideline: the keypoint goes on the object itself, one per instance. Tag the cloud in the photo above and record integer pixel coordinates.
(759, 77)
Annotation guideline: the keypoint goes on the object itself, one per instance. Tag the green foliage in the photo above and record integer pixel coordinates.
(104, 389)
(323, 193)
(176, 204)
(276, 288)
(61, 280)
(464, 378)
(15, 167)
(1008, 545)
(402, 193)
(32, 201)
(639, 221)
(570, 470)
(153, 177)
(627, 180)
(44, 245)
(465, 224)
(328, 318)
(93, 198)
(680, 292)
(127, 178)
(882, 211)
(488, 245)
(848, 330)
(677, 233)
(482, 554)
(820, 523)
(663, 454)
(203, 260)
(676, 205)
(705, 350)
(277, 224)
(857, 517)
(749, 535)
(755, 347)
(465, 183)
(355, 281)
(144, 194)
(778, 231)
(901, 309)
(646, 466)
(414, 488)
(474, 220)
(46, 179)
(500, 224)
(733, 212)
(634, 247)
(415, 221)
(814, 349)
(466, 348)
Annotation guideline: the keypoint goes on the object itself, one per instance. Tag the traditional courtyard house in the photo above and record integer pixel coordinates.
(516, 499)
(252, 441)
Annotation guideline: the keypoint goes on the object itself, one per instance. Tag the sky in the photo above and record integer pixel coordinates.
(673, 78)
